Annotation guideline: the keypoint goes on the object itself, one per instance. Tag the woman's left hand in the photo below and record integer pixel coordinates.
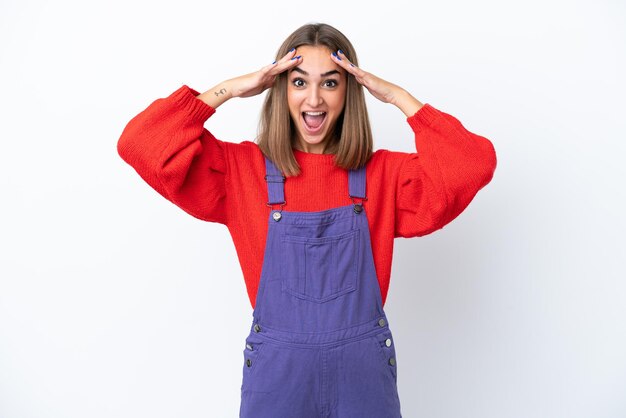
(383, 90)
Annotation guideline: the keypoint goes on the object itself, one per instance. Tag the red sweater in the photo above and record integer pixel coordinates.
(409, 194)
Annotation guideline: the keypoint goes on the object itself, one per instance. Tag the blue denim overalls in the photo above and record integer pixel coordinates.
(320, 344)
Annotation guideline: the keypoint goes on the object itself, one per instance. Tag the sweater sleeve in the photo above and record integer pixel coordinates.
(438, 182)
(169, 148)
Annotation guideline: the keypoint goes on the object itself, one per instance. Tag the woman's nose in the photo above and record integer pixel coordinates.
(314, 97)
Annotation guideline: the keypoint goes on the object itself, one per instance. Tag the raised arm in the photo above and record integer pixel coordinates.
(250, 84)
(439, 181)
(435, 184)
(170, 149)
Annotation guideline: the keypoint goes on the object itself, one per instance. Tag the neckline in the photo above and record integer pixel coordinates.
(306, 157)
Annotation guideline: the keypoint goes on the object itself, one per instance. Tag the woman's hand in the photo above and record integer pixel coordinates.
(250, 84)
(383, 90)
(257, 82)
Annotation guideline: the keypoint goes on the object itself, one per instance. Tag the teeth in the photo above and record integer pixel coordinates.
(314, 113)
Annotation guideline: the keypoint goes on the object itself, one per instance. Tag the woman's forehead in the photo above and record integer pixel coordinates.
(316, 62)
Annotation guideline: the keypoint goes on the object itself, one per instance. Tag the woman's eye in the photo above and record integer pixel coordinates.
(330, 83)
(298, 82)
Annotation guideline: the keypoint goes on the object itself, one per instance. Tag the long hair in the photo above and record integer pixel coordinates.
(351, 142)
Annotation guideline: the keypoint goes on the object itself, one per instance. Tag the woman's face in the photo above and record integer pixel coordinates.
(316, 94)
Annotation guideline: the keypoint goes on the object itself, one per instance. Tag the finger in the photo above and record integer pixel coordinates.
(287, 57)
(283, 59)
(340, 59)
(288, 63)
(268, 67)
(289, 54)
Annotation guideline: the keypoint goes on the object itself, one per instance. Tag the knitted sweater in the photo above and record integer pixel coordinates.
(409, 194)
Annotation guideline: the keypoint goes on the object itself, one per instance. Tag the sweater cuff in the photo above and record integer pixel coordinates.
(186, 98)
(423, 117)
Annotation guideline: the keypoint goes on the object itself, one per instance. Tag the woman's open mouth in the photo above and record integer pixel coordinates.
(313, 121)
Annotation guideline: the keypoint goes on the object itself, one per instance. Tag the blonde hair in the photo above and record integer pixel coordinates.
(352, 142)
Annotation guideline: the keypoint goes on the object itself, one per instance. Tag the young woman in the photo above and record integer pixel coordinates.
(313, 212)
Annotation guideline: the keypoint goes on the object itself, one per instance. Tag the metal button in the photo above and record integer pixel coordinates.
(358, 208)
(248, 362)
(382, 322)
(276, 216)
(257, 328)
(249, 347)
(392, 361)
(388, 342)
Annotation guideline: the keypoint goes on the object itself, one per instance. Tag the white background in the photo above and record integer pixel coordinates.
(115, 303)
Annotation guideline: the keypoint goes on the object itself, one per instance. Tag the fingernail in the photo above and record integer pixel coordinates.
(292, 49)
(352, 64)
(295, 58)
(341, 52)
(274, 63)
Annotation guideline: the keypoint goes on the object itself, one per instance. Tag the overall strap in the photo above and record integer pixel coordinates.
(275, 184)
(356, 183)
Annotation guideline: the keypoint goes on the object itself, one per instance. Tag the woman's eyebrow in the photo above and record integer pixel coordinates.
(326, 74)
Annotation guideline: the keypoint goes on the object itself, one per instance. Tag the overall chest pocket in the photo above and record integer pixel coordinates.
(320, 269)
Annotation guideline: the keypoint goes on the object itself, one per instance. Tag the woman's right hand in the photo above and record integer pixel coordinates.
(250, 84)
(257, 82)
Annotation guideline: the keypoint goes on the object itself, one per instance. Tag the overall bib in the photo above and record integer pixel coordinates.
(319, 345)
